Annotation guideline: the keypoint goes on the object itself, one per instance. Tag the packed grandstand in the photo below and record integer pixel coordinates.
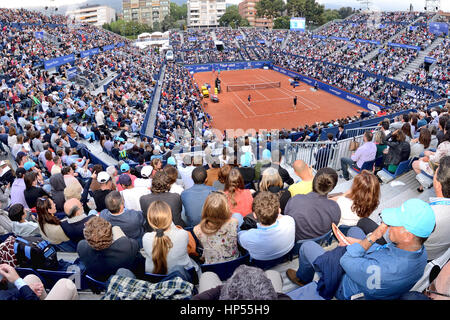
(115, 184)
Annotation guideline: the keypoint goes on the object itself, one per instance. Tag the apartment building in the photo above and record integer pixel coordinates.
(145, 11)
(205, 13)
(95, 15)
(247, 10)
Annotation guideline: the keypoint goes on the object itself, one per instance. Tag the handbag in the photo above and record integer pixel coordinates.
(354, 145)
(192, 244)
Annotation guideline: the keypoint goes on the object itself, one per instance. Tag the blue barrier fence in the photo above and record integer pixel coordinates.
(373, 75)
(227, 66)
(150, 104)
(363, 123)
(56, 62)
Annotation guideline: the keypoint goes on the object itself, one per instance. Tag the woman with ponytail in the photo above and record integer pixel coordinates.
(240, 200)
(165, 247)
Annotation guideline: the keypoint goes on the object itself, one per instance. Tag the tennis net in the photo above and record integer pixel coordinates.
(255, 86)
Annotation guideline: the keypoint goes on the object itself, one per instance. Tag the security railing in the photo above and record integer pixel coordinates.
(320, 154)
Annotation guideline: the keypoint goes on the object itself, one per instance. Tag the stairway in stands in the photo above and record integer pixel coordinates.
(416, 63)
(375, 51)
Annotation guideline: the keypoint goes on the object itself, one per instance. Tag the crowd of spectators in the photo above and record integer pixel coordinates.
(126, 221)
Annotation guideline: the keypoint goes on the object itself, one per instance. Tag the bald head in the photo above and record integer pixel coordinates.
(73, 207)
(302, 170)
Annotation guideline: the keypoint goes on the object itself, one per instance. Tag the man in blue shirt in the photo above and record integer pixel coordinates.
(373, 271)
(274, 235)
(194, 197)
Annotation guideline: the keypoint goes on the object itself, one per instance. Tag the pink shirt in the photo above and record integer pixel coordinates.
(244, 201)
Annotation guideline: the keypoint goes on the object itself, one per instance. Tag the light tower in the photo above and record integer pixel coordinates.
(432, 5)
(366, 3)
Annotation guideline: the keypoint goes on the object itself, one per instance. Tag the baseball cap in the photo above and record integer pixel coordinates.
(171, 161)
(434, 114)
(146, 171)
(103, 177)
(124, 179)
(2, 163)
(124, 167)
(28, 165)
(414, 214)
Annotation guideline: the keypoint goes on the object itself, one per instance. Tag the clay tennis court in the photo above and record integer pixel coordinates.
(270, 108)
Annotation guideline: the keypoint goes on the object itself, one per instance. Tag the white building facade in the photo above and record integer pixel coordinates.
(95, 15)
(205, 13)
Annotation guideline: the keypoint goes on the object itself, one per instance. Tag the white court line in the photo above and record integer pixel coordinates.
(286, 92)
(245, 116)
(313, 103)
(244, 103)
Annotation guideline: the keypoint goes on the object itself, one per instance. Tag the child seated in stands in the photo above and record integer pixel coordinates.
(20, 226)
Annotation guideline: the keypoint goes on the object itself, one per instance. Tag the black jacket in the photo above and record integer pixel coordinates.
(398, 151)
(101, 264)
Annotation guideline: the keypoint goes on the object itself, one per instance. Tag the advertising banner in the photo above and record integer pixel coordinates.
(90, 52)
(405, 46)
(438, 28)
(108, 47)
(56, 62)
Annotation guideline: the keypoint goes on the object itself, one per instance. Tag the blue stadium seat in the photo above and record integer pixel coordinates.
(322, 240)
(267, 264)
(96, 286)
(154, 278)
(23, 272)
(225, 269)
(51, 277)
(368, 165)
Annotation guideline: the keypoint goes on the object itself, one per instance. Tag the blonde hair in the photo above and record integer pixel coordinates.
(215, 213)
(159, 217)
(270, 177)
(73, 190)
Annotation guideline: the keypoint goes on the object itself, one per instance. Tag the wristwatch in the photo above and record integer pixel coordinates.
(368, 238)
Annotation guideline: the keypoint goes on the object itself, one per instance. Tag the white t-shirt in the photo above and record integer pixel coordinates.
(348, 217)
(176, 188)
(131, 197)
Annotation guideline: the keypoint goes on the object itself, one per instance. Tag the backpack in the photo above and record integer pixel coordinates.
(36, 253)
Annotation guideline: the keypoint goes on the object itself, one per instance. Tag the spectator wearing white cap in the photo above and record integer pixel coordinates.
(130, 194)
(106, 186)
(145, 181)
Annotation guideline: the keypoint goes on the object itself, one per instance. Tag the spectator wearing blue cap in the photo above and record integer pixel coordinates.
(367, 269)
(194, 197)
(125, 169)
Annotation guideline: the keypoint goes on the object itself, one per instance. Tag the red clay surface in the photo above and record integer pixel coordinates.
(270, 108)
